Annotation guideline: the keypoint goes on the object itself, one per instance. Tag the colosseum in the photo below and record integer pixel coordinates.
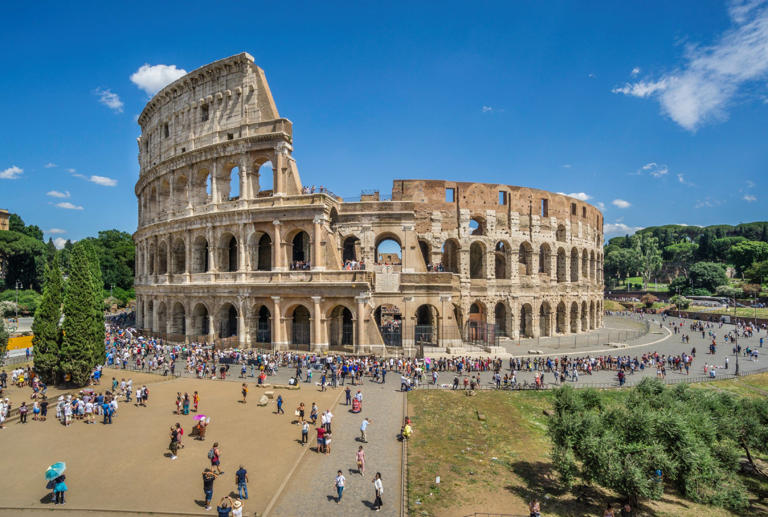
(233, 249)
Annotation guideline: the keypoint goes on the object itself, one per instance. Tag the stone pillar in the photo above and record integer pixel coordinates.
(242, 249)
(211, 329)
(241, 332)
(244, 190)
(277, 324)
(361, 341)
(278, 165)
(188, 324)
(139, 312)
(318, 258)
(190, 183)
(188, 254)
(407, 330)
(211, 250)
(318, 341)
(155, 327)
(404, 252)
(277, 248)
(214, 182)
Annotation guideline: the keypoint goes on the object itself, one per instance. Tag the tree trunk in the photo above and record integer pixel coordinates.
(752, 462)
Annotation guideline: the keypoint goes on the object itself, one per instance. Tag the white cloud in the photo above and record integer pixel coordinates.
(486, 109)
(11, 173)
(749, 198)
(681, 179)
(581, 196)
(750, 184)
(71, 171)
(69, 206)
(50, 165)
(59, 242)
(103, 181)
(591, 76)
(600, 205)
(635, 70)
(152, 78)
(654, 169)
(704, 86)
(109, 99)
(707, 202)
(621, 203)
(619, 229)
(56, 193)
(56, 231)
(566, 166)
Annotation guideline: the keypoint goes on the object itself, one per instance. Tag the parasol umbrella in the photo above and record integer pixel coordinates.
(200, 417)
(55, 470)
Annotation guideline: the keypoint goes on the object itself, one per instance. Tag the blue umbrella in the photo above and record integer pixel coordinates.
(55, 470)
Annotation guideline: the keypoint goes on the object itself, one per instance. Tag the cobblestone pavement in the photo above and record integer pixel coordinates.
(310, 490)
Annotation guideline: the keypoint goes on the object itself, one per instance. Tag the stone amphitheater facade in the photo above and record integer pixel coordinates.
(232, 249)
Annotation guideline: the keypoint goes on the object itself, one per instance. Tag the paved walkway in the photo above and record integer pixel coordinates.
(310, 490)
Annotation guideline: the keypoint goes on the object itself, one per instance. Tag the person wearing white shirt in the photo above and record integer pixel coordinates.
(378, 487)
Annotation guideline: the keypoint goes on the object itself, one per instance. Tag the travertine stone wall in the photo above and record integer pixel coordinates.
(224, 222)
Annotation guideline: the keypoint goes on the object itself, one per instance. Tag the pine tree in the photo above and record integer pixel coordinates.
(47, 336)
(78, 348)
(97, 330)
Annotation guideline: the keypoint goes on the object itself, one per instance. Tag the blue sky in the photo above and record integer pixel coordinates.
(655, 111)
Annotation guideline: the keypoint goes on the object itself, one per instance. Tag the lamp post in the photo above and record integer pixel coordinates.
(736, 351)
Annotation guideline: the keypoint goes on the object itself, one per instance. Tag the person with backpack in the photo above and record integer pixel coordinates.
(208, 478)
(215, 456)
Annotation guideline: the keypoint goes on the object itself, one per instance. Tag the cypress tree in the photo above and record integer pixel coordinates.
(3, 341)
(97, 330)
(78, 348)
(47, 336)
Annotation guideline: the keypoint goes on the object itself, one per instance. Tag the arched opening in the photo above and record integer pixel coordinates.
(585, 264)
(584, 317)
(476, 260)
(263, 257)
(154, 209)
(501, 255)
(560, 233)
(164, 196)
(426, 325)
(477, 226)
(592, 315)
(560, 320)
(162, 258)
(388, 251)
(545, 323)
(574, 318)
(426, 253)
(200, 255)
(234, 183)
(262, 182)
(526, 320)
(227, 324)
(300, 326)
(152, 263)
(561, 265)
(149, 316)
(200, 321)
(500, 315)
(161, 325)
(390, 323)
(340, 328)
(300, 258)
(350, 249)
(476, 324)
(228, 253)
(450, 258)
(180, 184)
(545, 260)
(525, 259)
(200, 193)
(178, 320)
(178, 257)
(574, 265)
(333, 219)
(263, 325)
(592, 266)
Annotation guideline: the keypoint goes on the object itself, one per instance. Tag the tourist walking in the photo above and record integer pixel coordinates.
(59, 487)
(174, 445)
(378, 488)
(215, 456)
(363, 428)
(360, 460)
(241, 478)
(534, 508)
(304, 433)
(208, 478)
(244, 391)
(280, 410)
(339, 484)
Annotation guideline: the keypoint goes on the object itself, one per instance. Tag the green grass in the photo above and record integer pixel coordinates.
(744, 312)
(652, 286)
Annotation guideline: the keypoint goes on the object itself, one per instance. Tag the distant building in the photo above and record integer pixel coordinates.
(4, 216)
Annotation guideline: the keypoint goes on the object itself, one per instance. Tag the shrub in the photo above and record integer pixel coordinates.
(648, 299)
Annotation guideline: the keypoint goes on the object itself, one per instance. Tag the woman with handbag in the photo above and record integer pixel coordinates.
(379, 489)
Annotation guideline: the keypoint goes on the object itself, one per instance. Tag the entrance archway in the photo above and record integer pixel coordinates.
(560, 320)
(340, 327)
(476, 260)
(451, 256)
(262, 324)
(425, 332)
(200, 321)
(390, 323)
(300, 325)
(526, 320)
(574, 318)
(500, 315)
(227, 321)
(545, 315)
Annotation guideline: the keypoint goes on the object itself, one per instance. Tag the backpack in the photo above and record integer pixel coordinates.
(211, 454)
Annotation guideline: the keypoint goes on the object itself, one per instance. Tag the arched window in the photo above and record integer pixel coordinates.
(227, 253)
(179, 257)
(560, 233)
(234, 183)
(180, 186)
(526, 320)
(200, 321)
(545, 260)
(300, 257)
(426, 252)
(574, 265)
(574, 318)
(476, 260)
(162, 258)
(561, 265)
(585, 264)
(450, 258)
(350, 249)
(264, 259)
(477, 226)
(262, 182)
(388, 251)
(560, 321)
(500, 315)
(545, 315)
(525, 259)
(200, 255)
(501, 256)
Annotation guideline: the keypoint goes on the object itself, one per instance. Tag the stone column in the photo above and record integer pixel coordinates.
(277, 248)
(211, 329)
(407, 330)
(278, 165)
(214, 182)
(188, 254)
(277, 327)
(242, 249)
(190, 183)
(241, 332)
(245, 193)
(211, 250)
(404, 252)
(318, 259)
(361, 342)
(155, 327)
(139, 312)
(318, 341)
(188, 324)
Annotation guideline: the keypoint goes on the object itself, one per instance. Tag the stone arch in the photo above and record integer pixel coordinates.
(261, 324)
(260, 251)
(178, 257)
(262, 182)
(299, 249)
(200, 255)
(561, 262)
(585, 264)
(149, 315)
(164, 196)
(350, 249)
(560, 233)
(560, 326)
(389, 319)
(477, 225)
(200, 320)
(574, 318)
(233, 190)
(545, 319)
(333, 219)
(161, 325)
(525, 259)
(500, 317)
(178, 319)
(584, 317)
(152, 262)
(226, 320)
(154, 209)
(299, 328)
(451, 260)
(477, 260)
(180, 191)
(388, 249)
(202, 186)
(526, 320)
(340, 326)
(592, 265)
(162, 258)
(545, 259)
(228, 255)
(426, 330)
(574, 265)
(426, 252)
(501, 259)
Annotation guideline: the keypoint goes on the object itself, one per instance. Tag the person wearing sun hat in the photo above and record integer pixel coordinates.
(237, 508)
